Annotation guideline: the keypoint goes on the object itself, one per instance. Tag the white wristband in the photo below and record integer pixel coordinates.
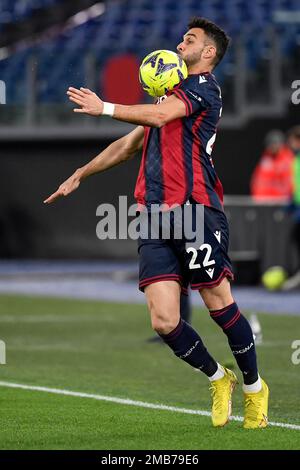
(108, 109)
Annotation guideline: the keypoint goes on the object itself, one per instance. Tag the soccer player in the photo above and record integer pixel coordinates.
(177, 136)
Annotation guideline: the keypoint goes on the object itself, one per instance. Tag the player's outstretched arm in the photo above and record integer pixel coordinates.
(142, 114)
(119, 151)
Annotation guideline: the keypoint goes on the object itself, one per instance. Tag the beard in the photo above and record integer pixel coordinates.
(193, 59)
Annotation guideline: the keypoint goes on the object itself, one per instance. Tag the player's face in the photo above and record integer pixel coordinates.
(195, 46)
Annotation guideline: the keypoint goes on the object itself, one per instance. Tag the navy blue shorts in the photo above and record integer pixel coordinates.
(177, 259)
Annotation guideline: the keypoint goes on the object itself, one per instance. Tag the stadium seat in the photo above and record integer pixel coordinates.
(138, 27)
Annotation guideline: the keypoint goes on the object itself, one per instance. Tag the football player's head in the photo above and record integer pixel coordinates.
(204, 42)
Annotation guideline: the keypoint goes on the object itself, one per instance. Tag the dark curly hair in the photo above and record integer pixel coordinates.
(215, 33)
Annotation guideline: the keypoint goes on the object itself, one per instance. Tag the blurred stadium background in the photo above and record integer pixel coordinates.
(48, 45)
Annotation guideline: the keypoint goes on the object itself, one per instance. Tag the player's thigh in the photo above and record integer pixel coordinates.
(158, 261)
(160, 278)
(217, 297)
(163, 300)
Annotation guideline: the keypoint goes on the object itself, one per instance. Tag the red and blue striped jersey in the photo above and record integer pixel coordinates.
(176, 162)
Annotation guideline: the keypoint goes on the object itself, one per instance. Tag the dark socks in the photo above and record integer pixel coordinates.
(185, 308)
(240, 339)
(188, 346)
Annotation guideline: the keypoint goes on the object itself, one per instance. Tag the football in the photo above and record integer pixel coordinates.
(274, 278)
(161, 71)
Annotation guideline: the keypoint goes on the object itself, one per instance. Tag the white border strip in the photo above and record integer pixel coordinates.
(125, 401)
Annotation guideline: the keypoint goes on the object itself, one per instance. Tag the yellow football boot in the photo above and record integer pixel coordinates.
(256, 408)
(221, 392)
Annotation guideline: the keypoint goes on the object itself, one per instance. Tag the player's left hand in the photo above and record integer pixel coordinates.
(88, 101)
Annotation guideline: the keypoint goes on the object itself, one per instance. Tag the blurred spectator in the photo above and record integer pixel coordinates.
(294, 144)
(272, 178)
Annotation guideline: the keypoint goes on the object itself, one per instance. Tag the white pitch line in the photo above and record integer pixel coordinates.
(127, 401)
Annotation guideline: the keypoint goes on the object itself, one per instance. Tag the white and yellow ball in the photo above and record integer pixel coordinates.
(274, 278)
(161, 71)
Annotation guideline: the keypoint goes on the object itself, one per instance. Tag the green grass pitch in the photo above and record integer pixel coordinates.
(101, 348)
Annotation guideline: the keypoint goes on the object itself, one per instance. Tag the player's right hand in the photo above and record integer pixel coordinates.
(64, 189)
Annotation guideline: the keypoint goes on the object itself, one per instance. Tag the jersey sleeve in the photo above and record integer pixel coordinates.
(195, 94)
